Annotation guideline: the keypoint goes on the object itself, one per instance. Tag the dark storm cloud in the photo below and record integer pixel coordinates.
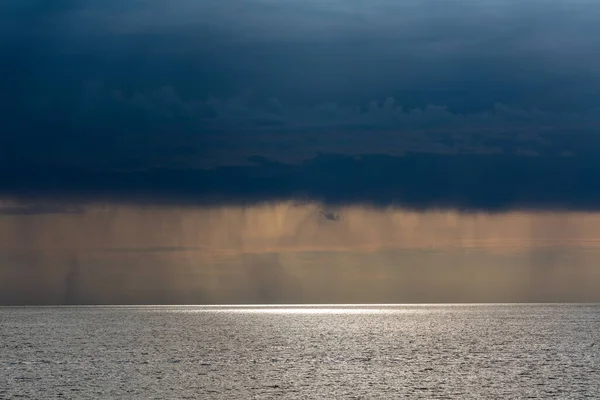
(495, 102)
(469, 182)
(466, 54)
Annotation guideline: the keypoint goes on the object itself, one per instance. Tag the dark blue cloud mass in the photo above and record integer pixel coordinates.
(412, 102)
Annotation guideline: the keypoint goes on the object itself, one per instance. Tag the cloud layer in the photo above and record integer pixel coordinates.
(304, 90)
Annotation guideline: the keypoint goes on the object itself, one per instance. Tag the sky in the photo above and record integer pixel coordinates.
(353, 116)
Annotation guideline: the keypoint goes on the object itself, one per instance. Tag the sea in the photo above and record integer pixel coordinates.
(482, 351)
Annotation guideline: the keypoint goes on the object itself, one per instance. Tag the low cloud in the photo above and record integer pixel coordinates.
(17, 208)
(110, 129)
(158, 146)
(417, 181)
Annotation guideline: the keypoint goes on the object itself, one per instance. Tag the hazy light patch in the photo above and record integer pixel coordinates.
(295, 253)
(288, 227)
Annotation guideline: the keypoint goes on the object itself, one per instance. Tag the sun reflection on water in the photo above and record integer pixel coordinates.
(310, 309)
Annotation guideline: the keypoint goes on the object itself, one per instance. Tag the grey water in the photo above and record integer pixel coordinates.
(329, 352)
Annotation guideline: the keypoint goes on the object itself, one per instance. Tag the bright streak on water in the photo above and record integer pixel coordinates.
(309, 309)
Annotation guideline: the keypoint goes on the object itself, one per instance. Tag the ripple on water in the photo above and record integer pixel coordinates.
(480, 351)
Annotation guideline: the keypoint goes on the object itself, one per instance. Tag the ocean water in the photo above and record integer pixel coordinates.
(328, 352)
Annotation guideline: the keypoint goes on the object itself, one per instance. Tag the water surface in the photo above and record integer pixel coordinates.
(268, 352)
